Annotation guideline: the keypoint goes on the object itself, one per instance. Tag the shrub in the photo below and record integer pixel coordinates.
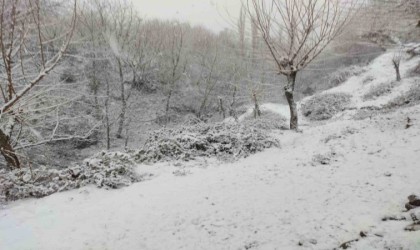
(367, 112)
(222, 140)
(325, 158)
(115, 170)
(344, 74)
(415, 71)
(325, 106)
(409, 98)
(378, 90)
(368, 79)
(105, 170)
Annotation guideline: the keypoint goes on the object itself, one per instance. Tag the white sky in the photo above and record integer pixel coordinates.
(214, 14)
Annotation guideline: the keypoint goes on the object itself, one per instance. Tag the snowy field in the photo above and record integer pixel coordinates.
(322, 188)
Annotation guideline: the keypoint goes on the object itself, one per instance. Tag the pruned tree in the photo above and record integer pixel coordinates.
(295, 32)
(29, 52)
(396, 61)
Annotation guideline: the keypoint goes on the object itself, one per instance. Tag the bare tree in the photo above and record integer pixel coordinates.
(28, 54)
(256, 92)
(295, 32)
(255, 43)
(119, 27)
(242, 30)
(123, 23)
(142, 54)
(91, 32)
(208, 62)
(396, 60)
(174, 61)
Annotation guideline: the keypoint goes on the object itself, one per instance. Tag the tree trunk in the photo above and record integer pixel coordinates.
(257, 111)
(108, 126)
(202, 106)
(8, 152)
(397, 70)
(232, 108)
(222, 108)
(168, 106)
(95, 89)
(289, 92)
(123, 102)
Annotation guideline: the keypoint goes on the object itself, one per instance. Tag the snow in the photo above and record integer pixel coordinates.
(271, 200)
(275, 108)
(282, 198)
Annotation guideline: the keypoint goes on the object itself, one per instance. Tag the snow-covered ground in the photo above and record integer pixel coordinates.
(280, 109)
(280, 199)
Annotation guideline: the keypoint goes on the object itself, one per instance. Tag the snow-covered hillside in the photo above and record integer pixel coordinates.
(380, 72)
(325, 186)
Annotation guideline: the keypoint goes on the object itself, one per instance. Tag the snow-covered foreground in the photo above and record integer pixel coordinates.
(272, 200)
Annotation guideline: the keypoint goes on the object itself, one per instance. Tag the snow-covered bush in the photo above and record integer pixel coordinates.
(115, 170)
(325, 106)
(415, 71)
(409, 98)
(222, 140)
(105, 170)
(324, 159)
(378, 91)
(342, 75)
(368, 79)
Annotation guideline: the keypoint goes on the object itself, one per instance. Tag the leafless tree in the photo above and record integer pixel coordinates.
(396, 61)
(257, 110)
(91, 28)
(174, 61)
(121, 36)
(28, 54)
(242, 30)
(143, 53)
(295, 32)
(255, 43)
(208, 60)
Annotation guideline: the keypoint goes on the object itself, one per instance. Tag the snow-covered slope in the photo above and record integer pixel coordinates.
(379, 72)
(272, 200)
(320, 189)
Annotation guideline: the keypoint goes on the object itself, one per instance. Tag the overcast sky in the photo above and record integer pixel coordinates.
(213, 14)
